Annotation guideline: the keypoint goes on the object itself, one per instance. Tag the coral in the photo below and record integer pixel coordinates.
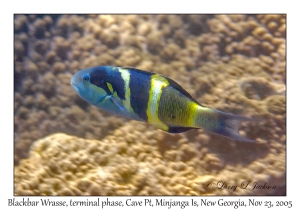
(234, 63)
(136, 160)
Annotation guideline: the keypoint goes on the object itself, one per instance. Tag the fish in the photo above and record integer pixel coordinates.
(149, 97)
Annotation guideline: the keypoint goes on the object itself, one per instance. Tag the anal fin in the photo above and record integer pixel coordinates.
(179, 129)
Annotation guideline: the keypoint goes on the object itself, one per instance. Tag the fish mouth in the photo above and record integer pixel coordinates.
(74, 86)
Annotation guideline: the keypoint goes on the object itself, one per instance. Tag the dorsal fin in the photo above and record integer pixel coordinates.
(174, 84)
(183, 91)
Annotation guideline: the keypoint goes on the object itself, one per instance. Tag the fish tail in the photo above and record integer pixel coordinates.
(222, 123)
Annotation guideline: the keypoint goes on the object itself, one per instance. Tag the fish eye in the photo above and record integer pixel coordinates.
(86, 78)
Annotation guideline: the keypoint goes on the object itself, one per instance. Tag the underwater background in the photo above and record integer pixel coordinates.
(65, 146)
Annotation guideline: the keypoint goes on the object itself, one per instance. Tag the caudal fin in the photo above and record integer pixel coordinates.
(229, 126)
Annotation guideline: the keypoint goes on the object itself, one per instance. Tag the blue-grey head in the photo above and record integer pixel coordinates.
(83, 82)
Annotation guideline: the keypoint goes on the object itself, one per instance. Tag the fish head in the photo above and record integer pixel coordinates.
(81, 83)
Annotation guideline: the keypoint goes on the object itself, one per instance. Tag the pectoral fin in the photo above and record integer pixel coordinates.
(118, 103)
(101, 99)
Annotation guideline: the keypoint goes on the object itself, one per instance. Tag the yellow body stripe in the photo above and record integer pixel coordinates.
(193, 111)
(110, 87)
(156, 86)
(126, 77)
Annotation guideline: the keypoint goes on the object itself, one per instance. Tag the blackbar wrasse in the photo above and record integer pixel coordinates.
(152, 98)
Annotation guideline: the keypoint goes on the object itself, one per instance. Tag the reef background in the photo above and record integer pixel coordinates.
(233, 63)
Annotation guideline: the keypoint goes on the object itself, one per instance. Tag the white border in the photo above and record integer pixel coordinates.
(8, 8)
